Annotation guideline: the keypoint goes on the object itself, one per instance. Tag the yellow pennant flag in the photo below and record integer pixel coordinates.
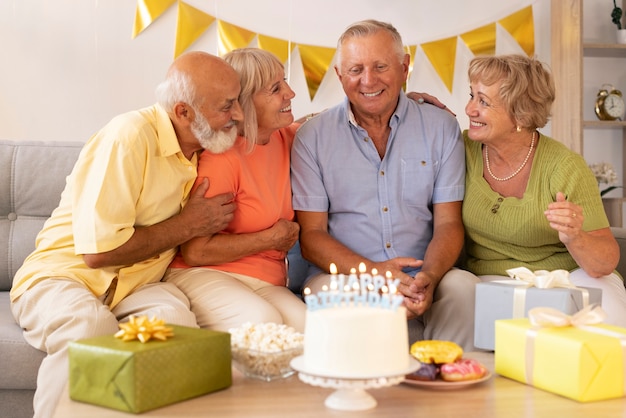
(191, 23)
(315, 60)
(442, 56)
(278, 47)
(232, 37)
(481, 41)
(147, 12)
(521, 26)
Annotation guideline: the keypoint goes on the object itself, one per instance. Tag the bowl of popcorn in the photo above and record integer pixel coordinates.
(264, 351)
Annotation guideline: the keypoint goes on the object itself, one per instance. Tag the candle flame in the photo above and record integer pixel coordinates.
(374, 271)
(362, 268)
(333, 268)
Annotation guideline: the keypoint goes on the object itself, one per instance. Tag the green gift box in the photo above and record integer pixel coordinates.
(135, 377)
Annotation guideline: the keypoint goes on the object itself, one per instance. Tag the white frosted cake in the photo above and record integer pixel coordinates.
(360, 332)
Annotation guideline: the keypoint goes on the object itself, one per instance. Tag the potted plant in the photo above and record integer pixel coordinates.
(616, 18)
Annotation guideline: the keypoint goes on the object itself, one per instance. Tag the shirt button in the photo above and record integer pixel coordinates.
(388, 245)
(382, 172)
(366, 139)
(385, 209)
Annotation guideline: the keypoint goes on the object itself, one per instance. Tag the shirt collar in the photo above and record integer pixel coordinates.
(401, 109)
(166, 135)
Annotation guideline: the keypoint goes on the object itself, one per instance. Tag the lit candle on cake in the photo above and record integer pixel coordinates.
(364, 276)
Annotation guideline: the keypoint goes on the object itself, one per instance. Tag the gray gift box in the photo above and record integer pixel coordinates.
(507, 301)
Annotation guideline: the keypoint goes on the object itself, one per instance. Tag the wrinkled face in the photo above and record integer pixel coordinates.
(216, 119)
(273, 105)
(371, 73)
(216, 142)
(488, 118)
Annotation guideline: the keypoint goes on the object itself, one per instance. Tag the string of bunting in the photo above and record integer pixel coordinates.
(192, 23)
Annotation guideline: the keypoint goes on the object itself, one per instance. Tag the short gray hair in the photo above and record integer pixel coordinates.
(367, 28)
(177, 87)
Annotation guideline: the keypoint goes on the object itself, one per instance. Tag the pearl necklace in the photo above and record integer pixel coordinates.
(509, 177)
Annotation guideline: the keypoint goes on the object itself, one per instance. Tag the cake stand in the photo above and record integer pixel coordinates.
(351, 393)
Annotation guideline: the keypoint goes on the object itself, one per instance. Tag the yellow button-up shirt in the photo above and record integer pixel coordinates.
(132, 173)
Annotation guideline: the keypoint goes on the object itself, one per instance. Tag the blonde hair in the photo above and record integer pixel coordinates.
(367, 28)
(526, 90)
(256, 68)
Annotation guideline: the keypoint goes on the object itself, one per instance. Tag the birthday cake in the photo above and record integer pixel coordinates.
(356, 329)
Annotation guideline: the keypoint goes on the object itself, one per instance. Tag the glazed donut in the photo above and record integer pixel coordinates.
(465, 369)
(436, 351)
(427, 372)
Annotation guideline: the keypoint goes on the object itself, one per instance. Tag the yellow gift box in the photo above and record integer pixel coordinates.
(134, 376)
(581, 361)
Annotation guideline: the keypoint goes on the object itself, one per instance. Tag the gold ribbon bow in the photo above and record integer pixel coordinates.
(144, 329)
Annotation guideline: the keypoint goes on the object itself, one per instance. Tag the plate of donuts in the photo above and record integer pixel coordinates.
(442, 366)
(440, 384)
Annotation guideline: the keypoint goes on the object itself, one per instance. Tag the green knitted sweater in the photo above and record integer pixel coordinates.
(507, 232)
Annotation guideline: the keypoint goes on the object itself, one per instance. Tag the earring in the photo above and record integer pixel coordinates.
(518, 128)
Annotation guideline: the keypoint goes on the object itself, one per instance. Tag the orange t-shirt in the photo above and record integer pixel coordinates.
(262, 189)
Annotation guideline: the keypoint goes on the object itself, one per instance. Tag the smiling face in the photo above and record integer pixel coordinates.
(488, 118)
(273, 107)
(372, 74)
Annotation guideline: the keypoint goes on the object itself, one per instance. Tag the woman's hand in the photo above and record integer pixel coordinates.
(596, 252)
(427, 98)
(566, 218)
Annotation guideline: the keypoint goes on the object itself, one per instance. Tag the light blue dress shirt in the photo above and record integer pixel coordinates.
(380, 209)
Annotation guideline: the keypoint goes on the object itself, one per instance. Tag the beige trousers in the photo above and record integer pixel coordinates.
(223, 300)
(451, 315)
(58, 310)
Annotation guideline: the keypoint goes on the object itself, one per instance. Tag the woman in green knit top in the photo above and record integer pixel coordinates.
(529, 200)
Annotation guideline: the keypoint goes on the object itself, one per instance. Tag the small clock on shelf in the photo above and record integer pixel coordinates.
(610, 103)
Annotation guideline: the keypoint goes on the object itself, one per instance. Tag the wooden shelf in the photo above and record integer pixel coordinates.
(604, 50)
(604, 124)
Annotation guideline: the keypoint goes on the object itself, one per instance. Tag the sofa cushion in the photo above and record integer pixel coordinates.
(32, 177)
(19, 361)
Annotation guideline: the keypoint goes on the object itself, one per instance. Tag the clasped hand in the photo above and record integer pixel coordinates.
(418, 291)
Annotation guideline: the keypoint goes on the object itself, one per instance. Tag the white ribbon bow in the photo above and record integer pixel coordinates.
(549, 317)
(541, 279)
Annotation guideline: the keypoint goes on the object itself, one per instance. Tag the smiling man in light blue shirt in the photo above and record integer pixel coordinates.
(379, 179)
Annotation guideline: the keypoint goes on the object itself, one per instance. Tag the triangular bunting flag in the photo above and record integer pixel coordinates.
(232, 37)
(442, 55)
(481, 41)
(412, 50)
(278, 47)
(191, 23)
(315, 61)
(147, 12)
(521, 26)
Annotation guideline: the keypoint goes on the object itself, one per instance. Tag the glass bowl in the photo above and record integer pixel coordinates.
(265, 365)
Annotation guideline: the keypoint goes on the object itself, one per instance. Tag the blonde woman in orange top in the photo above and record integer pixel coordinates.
(239, 275)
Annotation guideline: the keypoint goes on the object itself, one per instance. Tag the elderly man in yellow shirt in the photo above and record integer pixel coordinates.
(126, 207)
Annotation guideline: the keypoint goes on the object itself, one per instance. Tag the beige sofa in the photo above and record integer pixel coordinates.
(32, 176)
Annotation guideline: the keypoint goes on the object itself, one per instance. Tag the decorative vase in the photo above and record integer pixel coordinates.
(621, 36)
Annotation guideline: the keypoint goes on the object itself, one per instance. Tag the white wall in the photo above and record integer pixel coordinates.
(68, 66)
